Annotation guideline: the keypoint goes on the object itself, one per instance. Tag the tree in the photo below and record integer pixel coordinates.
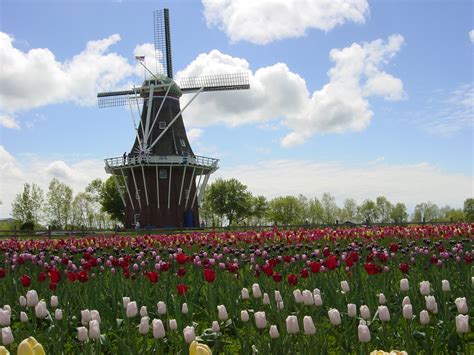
(425, 212)
(59, 203)
(315, 211)
(349, 211)
(469, 209)
(330, 209)
(259, 208)
(285, 210)
(110, 199)
(27, 206)
(384, 209)
(399, 213)
(229, 198)
(368, 211)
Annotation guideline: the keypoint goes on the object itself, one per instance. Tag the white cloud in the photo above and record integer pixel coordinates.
(35, 78)
(408, 183)
(278, 94)
(194, 134)
(14, 172)
(471, 35)
(9, 121)
(266, 21)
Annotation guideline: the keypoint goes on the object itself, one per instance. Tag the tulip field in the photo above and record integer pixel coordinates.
(307, 291)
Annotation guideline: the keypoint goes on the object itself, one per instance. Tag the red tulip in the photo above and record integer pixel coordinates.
(3, 272)
(277, 277)
(152, 276)
(82, 276)
(315, 266)
(372, 269)
(53, 286)
(467, 259)
(165, 267)
(42, 277)
(304, 273)
(209, 275)
(54, 275)
(25, 280)
(404, 267)
(292, 279)
(331, 262)
(71, 276)
(181, 258)
(434, 259)
(267, 269)
(182, 289)
(393, 247)
(181, 272)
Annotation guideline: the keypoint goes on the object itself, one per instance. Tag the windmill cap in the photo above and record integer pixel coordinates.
(160, 79)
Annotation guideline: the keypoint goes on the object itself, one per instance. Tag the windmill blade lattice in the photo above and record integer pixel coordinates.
(117, 98)
(220, 82)
(161, 24)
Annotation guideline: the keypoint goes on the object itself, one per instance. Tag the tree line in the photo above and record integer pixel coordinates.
(230, 202)
(225, 202)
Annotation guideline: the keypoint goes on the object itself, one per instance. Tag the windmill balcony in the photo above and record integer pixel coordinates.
(162, 160)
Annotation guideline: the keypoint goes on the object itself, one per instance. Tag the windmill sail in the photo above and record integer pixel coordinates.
(220, 82)
(161, 24)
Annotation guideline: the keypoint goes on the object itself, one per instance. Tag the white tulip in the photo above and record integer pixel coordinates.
(280, 305)
(445, 286)
(462, 323)
(316, 291)
(222, 312)
(22, 301)
(406, 300)
(189, 334)
(345, 286)
(58, 314)
(308, 325)
(424, 317)
(266, 299)
(144, 326)
(425, 288)
(244, 294)
(334, 317)
(23, 317)
(351, 310)
(298, 296)
(32, 298)
(41, 310)
(54, 301)
(364, 312)
(404, 285)
(95, 315)
(384, 314)
(431, 304)
(184, 308)
(244, 316)
(274, 332)
(256, 292)
(7, 336)
(143, 311)
(260, 320)
(308, 298)
(382, 299)
(158, 329)
(278, 297)
(173, 324)
(292, 326)
(318, 301)
(407, 311)
(125, 301)
(461, 305)
(161, 307)
(94, 330)
(363, 332)
(4, 317)
(82, 334)
(85, 317)
(132, 309)
(7, 308)
(215, 326)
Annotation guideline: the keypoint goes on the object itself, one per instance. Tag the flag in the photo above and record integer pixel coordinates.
(140, 58)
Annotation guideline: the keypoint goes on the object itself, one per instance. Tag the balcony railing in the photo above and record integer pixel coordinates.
(118, 162)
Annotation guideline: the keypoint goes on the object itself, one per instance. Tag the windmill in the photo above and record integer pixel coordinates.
(164, 180)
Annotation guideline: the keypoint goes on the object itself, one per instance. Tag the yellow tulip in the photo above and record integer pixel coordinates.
(4, 351)
(30, 346)
(199, 349)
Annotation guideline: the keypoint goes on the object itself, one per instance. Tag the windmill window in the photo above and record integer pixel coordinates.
(162, 124)
(182, 142)
(163, 174)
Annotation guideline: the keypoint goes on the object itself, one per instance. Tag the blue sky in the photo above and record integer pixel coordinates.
(358, 99)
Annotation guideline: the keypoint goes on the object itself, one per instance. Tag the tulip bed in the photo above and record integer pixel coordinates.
(309, 291)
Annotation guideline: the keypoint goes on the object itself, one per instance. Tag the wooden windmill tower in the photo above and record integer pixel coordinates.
(164, 179)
